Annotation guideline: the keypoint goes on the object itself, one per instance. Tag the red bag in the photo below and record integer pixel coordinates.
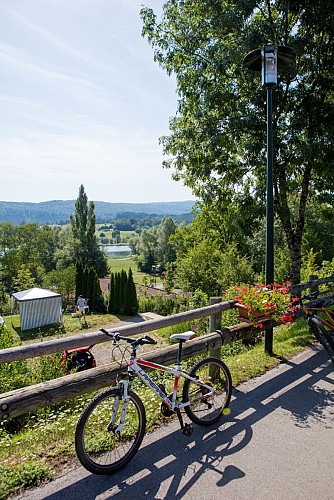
(79, 359)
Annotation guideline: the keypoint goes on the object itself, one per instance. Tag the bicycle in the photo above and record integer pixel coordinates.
(317, 325)
(112, 426)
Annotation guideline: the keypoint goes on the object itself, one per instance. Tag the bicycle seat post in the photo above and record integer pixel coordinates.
(179, 355)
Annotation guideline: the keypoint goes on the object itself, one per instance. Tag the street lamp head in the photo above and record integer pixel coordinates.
(268, 60)
(269, 65)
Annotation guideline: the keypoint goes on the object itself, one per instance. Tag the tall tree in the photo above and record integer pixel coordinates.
(217, 141)
(83, 229)
(166, 249)
(130, 296)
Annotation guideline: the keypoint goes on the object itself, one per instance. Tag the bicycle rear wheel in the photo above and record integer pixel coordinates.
(205, 410)
(323, 336)
(103, 451)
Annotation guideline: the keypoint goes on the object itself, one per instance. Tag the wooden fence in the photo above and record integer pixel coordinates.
(20, 401)
(24, 400)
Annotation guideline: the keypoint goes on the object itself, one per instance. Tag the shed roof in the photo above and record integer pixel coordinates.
(34, 294)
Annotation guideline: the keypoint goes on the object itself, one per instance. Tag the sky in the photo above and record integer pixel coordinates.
(82, 102)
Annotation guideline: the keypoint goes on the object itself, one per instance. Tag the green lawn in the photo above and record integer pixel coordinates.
(116, 265)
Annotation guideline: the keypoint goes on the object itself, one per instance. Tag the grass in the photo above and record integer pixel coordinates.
(46, 438)
(116, 265)
(70, 326)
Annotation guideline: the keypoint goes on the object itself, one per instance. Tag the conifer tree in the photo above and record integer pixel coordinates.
(123, 280)
(116, 294)
(111, 293)
(83, 229)
(130, 296)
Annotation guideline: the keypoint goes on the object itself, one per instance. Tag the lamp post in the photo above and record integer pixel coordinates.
(268, 59)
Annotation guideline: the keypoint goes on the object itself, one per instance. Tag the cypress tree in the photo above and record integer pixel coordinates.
(116, 307)
(98, 298)
(123, 281)
(130, 297)
(111, 293)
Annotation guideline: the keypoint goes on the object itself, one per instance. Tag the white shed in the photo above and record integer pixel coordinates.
(38, 307)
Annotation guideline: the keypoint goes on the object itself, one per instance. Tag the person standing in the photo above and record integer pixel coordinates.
(81, 304)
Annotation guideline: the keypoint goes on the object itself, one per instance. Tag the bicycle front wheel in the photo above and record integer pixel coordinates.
(99, 448)
(324, 337)
(204, 410)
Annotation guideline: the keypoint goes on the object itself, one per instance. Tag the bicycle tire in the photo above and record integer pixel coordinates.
(207, 411)
(322, 336)
(101, 451)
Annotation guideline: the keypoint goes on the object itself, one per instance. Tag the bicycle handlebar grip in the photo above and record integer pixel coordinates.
(150, 340)
(114, 336)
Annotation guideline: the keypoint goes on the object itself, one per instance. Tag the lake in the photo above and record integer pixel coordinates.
(117, 251)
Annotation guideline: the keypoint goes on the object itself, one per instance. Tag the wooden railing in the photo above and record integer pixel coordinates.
(24, 400)
(20, 401)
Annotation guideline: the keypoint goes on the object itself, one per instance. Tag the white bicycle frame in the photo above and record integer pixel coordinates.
(134, 366)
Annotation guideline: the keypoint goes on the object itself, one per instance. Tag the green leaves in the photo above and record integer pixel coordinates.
(218, 137)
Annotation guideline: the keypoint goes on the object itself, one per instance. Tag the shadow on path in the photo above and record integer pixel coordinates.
(301, 387)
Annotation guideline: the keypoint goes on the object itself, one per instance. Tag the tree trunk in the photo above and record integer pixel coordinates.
(293, 232)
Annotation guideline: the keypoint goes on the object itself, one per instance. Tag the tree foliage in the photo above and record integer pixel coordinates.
(122, 294)
(218, 136)
(83, 229)
(154, 245)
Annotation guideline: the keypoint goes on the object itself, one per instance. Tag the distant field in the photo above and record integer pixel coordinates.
(119, 264)
(116, 265)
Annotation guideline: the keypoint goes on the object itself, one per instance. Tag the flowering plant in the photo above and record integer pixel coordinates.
(273, 300)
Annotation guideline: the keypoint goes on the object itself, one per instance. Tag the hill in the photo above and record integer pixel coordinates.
(59, 211)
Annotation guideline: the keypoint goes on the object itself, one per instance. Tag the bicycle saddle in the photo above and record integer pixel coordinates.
(183, 336)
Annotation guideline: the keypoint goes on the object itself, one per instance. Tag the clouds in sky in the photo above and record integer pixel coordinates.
(82, 102)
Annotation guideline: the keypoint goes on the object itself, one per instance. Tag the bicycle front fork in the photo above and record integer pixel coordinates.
(123, 396)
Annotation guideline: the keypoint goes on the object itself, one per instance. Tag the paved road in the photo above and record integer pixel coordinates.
(276, 444)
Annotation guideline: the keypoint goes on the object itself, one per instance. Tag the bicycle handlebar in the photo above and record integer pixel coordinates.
(135, 342)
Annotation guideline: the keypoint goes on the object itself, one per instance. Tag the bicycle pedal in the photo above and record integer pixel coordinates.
(187, 429)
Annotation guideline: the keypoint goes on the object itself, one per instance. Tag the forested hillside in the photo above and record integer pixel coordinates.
(59, 211)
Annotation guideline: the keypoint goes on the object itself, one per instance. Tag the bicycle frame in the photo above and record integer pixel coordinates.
(135, 365)
(310, 311)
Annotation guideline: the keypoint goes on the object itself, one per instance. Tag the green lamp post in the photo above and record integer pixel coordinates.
(268, 60)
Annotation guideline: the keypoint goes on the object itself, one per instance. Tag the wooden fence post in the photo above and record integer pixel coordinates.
(215, 324)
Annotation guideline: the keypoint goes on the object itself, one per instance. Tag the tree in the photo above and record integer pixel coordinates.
(130, 296)
(63, 281)
(147, 248)
(111, 293)
(217, 140)
(83, 229)
(166, 250)
(24, 279)
(207, 268)
(78, 278)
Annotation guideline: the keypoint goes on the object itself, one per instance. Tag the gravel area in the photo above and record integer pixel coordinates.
(103, 352)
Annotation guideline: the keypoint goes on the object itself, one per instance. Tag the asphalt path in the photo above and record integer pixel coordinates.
(277, 443)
